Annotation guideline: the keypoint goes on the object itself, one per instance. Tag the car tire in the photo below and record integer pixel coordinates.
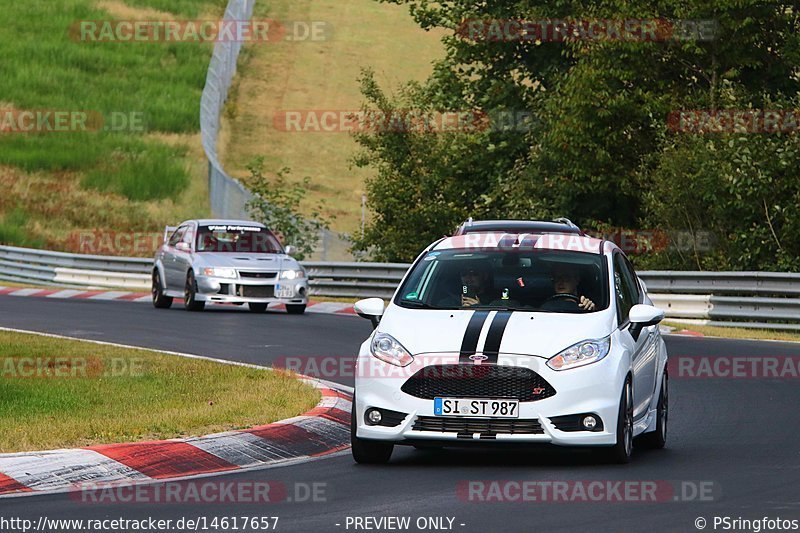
(190, 293)
(367, 452)
(655, 440)
(621, 452)
(159, 300)
(295, 309)
(257, 307)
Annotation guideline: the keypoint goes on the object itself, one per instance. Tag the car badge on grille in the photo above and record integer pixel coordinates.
(538, 390)
(478, 357)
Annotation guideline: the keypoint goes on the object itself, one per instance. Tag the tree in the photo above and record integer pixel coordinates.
(601, 109)
(276, 204)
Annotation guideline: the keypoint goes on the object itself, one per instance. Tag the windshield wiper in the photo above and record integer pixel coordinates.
(499, 308)
(417, 304)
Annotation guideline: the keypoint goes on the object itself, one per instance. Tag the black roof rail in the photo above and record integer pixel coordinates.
(561, 225)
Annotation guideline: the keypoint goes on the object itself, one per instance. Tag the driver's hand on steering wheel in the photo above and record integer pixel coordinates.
(586, 304)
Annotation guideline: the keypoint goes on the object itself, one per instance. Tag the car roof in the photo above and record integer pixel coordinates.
(494, 241)
(224, 221)
(518, 226)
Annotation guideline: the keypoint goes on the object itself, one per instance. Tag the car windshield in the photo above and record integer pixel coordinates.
(535, 280)
(237, 239)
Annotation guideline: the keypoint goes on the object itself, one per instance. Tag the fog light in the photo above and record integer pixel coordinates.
(373, 417)
(589, 422)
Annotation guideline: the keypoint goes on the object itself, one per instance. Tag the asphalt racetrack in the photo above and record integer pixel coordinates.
(733, 449)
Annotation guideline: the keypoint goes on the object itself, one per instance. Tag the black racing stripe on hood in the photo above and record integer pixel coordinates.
(470, 343)
(491, 348)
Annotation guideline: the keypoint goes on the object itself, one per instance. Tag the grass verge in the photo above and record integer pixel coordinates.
(57, 393)
(738, 333)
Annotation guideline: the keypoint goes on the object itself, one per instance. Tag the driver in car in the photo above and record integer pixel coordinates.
(475, 288)
(475, 283)
(565, 287)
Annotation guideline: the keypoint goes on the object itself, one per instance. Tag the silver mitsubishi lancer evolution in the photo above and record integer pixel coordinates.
(229, 261)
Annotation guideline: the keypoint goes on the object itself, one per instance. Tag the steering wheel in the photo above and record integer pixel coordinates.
(564, 296)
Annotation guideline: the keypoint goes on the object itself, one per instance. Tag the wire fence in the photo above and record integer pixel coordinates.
(228, 196)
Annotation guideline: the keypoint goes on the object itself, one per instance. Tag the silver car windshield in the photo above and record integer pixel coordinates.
(534, 280)
(237, 239)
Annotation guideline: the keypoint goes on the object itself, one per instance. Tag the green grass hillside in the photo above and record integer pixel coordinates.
(321, 76)
(58, 185)
(135, 179)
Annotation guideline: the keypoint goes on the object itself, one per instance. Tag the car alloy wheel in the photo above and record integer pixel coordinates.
(159, 300)
(189, 294)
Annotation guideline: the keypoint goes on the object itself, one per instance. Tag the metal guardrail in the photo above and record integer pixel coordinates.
(43, 267)
(354, 280)
(745, 283)
(747, 299)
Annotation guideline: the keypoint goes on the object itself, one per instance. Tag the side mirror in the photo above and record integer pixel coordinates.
(183, 247)
(371, 309)
(642, 316)
(289, 249)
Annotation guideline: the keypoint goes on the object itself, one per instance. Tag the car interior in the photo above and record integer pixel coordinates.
(525, 279)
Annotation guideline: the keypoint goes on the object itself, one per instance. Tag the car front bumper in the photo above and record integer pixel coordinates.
(238, 290)
(594, 389)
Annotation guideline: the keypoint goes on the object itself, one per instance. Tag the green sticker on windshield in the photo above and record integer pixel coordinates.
(411, 296)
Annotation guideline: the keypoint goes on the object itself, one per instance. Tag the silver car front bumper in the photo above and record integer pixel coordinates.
(237, 290)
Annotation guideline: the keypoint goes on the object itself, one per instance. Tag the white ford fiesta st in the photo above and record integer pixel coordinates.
(513, 338)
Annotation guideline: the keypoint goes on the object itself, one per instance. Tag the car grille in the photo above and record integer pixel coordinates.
(258, 275)
(478, 425)
(256, 291)
(478, 381)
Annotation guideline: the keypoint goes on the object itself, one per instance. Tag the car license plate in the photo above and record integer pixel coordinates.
(284, 291)
(485, 407)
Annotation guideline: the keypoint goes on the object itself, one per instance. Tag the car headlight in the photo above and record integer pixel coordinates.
(220, 272)
(389, 350)
(293, 274)
(581, 354)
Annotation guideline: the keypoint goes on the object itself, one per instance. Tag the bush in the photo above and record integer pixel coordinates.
(276, 204)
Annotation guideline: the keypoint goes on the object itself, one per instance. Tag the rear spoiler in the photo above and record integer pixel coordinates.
(168, 230)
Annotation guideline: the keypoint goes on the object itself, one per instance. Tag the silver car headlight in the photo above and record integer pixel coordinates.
(581, 354)
(389, 350)
(293, 274)
(220, 272)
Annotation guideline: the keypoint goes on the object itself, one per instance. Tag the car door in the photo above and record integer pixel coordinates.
(169, 260)
(643, 353)
(183, 255)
